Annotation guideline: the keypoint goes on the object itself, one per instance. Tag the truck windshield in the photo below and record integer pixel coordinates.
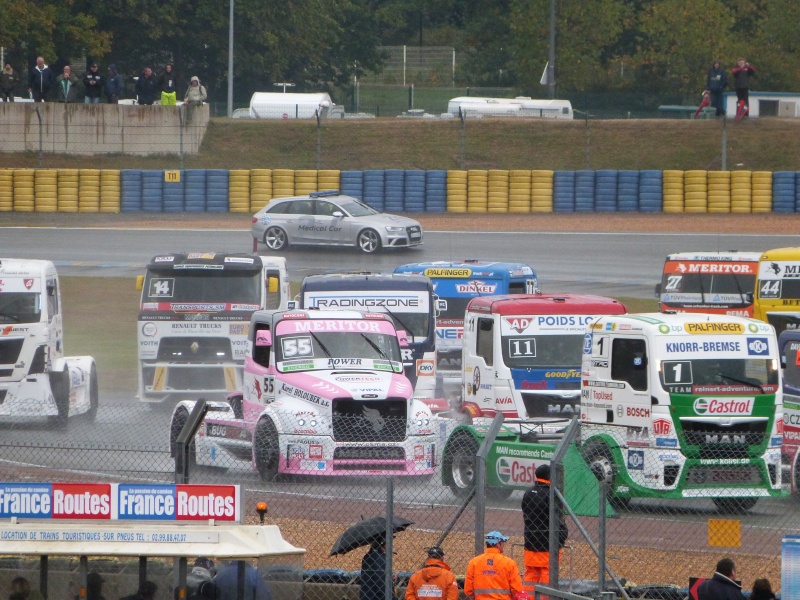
(414, 324)
(542, 351)
(232, 287)
(20, 307)
(734, 286)
(308, 347)
(732, 375)
(456, 307)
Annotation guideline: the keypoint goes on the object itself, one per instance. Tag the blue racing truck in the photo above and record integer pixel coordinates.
(408, 299)
(456, 283)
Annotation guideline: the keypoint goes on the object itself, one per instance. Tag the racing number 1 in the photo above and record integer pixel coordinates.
(601, 346)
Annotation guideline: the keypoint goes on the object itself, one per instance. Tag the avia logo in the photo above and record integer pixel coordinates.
(775, 268)
(682, 267)
(727, 407)
(518, 324)
(662, 426)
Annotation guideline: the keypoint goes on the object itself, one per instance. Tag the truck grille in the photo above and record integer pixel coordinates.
(717, 441)
(551, 406)
(195, 349)
(369, 420)
(380, 453)
(9, 351)
(722, 475)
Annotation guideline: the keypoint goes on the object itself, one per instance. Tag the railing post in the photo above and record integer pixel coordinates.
(480, 481)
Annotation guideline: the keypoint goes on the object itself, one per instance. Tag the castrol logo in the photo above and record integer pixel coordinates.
(516, 471)
(724, 407)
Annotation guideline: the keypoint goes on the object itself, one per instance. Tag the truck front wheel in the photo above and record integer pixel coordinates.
(601, 463)
(267, 450)
(94, 396)
(459, 464)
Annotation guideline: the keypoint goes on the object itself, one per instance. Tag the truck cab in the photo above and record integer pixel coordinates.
(36, 379)
(777, 290)
(789, 345)
(193, 320)
(683, 406)
(324, 394)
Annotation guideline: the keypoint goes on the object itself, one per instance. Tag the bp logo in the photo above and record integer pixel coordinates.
(503, 470)
(753, 328)
(700, 406)
(663, 328)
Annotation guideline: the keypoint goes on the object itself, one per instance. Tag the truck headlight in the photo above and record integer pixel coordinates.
(423, 422)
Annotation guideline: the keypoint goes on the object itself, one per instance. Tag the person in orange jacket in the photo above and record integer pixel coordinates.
(434, 580)
(492, 575)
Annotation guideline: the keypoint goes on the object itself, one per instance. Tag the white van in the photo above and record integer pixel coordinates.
(277, 105)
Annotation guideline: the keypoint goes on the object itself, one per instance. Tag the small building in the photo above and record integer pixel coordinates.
(766, 104)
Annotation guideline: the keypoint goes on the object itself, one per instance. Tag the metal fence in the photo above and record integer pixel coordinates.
(657, 541)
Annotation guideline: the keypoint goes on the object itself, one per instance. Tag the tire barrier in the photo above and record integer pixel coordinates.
(394, 191)
(110, 190)
(374, 188)
(351, 183)
(457, 191)
(564, 191)
(239, 191)
(260, 189)
(784, 192)
(45, 189)
(397, 190)
(217, 182)
(130, 190)
(673, 191)
(651, 196)
(6, 190)
(435, 191)
(414, 197)
(24, 190)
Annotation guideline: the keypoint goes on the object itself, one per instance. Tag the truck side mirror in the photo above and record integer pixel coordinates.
(441, 305)
(291, 305)
(658, 290)
(402, 337)
(273, 285)
(139, 282)
(263, 337)
(749, 297)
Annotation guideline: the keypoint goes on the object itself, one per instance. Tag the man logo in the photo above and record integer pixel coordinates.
(757, 346)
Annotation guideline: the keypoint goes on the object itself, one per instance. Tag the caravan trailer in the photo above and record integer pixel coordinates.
(521, 106)
(276, 105)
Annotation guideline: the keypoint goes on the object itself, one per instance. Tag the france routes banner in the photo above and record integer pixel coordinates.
(120, 501)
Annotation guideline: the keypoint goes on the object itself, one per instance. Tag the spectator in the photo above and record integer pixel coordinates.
(40, 80)
(21, 590)
(373, 570)
(67, 86)
(202, 571)
(742, 73)
(94, 586)
(722, 586)
(113, 87)
(146, 592)
(226, 583)
(168, 82)
(716, 82)
(536, 518)
(196, 94)
(8, 83)
(762, 590)
(146, 87)
(434, 580)
(491, 575)
(92, 85)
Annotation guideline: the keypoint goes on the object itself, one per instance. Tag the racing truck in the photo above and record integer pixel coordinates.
(777, 291)
(194, 318)
(455, 284)
(324, 394)
(709, 282)
(521, 357)
(36, 379)
(408, 299)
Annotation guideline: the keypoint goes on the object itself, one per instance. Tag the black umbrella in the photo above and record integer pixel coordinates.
(365, 532)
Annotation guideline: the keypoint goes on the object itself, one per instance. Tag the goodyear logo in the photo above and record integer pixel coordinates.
(454, 273)
(718, 328)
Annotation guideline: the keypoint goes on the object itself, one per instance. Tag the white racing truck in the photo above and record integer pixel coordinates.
(324, 394)
(193, 321)
(36, 379)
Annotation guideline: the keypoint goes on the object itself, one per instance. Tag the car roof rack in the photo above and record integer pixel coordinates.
(323, 194)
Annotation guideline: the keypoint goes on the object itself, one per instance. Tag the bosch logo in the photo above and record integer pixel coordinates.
(635, 411)
(757, 346)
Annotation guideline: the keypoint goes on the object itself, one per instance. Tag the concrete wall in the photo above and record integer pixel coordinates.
(102, 128)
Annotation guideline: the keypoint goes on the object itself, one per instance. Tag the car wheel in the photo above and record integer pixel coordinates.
(267, 450)
(275, 239)
(369, 241)
(59, 385)
(94, 396)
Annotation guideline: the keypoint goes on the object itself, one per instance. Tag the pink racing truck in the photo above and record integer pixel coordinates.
(324, 394)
